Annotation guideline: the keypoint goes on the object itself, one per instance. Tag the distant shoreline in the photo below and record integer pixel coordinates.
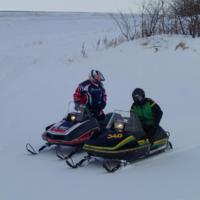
(49, 12)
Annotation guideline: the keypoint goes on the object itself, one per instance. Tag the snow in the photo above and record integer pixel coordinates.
(40, 67)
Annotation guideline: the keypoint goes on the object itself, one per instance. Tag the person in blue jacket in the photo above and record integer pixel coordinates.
(91, 94)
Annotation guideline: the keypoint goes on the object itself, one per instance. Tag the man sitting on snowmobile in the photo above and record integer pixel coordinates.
(148, 112)
(92, 95)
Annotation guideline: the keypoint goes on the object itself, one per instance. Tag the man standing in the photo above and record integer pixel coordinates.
(91, 94)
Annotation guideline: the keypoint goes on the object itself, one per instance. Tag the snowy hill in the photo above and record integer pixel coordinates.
(40, 66)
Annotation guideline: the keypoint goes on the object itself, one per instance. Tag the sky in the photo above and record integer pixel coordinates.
(71, 5)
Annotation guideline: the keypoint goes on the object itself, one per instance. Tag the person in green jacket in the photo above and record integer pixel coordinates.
(148, 111)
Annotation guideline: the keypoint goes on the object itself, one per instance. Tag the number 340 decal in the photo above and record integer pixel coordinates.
(114, 136)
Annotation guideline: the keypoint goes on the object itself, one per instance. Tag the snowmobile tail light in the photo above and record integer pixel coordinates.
(119, 126)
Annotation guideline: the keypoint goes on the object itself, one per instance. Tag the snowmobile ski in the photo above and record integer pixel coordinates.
(112, 165)
(73, 165)
(33, 151)
(60, 154)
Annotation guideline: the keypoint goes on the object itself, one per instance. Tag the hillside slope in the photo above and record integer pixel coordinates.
(37, 82)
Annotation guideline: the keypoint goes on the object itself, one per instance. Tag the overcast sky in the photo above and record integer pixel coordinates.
(71, 5)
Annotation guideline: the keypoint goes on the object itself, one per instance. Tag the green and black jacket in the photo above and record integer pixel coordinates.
(149, 112)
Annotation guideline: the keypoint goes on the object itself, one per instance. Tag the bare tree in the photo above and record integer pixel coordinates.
(161, 17)
(126, 24)
(188, 13)
(152, 14)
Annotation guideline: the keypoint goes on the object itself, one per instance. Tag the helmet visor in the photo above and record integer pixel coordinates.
(138, 98)
(97, 76)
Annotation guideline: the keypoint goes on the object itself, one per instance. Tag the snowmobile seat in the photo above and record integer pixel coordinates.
(160, 134)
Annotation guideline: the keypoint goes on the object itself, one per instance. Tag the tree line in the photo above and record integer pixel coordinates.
(161, 17)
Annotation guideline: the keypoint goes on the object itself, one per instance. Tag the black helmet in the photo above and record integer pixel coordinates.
(96, 76)
(138, 96)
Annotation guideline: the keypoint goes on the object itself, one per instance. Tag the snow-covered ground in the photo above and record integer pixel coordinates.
(40, 67)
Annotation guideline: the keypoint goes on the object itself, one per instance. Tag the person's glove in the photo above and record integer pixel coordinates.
(82, 108)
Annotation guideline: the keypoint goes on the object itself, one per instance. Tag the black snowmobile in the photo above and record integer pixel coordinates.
(73, 130)
(122, 141)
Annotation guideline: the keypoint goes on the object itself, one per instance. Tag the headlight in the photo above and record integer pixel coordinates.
(119, 125)
(73, 117)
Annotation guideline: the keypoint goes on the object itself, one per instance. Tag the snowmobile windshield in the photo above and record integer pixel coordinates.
(131, 121)
(80, 115)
